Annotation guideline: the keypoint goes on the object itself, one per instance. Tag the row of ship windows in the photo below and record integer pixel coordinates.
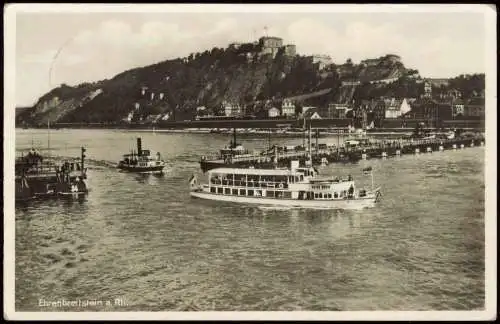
(321, 187)
(251, 192)
(251, 184)
(321, 195)
(217, 178)
(272, 194)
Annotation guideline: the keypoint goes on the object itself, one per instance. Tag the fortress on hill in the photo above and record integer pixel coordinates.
(270, 45)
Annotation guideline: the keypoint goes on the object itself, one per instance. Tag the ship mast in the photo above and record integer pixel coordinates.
(317, 136)
(310, 139)
(304, 133)
(48, 138)
(269, 139)
(234, 138)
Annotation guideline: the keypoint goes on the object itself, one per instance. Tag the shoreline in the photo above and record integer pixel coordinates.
(260, 132)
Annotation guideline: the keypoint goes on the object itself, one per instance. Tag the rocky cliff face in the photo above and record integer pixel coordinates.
(240, 76)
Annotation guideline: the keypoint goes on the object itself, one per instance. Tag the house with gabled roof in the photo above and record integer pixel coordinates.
(395, 108)
(312, 113)
(458, 108)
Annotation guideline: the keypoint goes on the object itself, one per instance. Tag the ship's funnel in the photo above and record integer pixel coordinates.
(139, 146)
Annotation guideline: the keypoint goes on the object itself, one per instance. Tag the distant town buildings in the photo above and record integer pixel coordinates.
(454, 93)
(474, 107)
(337, 110)
(311, 113)
(273, 112)
(306, 108)
(288, 108)
(458, 108)
(231, 109)
(395, 108)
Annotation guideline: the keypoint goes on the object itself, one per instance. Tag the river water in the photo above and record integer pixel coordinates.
(144, 241)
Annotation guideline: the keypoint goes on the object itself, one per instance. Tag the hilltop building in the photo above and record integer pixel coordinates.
(321, 60)
(370, 62)
(270, 45)
(392, 57)
(290, 50)
(374, 62)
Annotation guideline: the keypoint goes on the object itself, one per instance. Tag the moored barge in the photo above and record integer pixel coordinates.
(38, 177)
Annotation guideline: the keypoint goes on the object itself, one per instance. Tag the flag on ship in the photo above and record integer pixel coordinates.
(367, 170)
(193, 181)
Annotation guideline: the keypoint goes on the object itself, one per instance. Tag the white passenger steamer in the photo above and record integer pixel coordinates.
(293, 187)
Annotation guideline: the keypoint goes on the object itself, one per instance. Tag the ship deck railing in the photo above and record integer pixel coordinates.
(45, 168)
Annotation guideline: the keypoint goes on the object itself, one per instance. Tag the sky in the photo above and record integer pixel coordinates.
(55, 48)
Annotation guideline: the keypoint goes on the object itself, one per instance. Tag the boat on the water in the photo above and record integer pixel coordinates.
(234, 149)
(37, 176)
(292, 187)
(142, 161)
(227, 155)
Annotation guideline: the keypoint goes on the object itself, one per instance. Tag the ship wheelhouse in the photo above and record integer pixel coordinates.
(145, 159)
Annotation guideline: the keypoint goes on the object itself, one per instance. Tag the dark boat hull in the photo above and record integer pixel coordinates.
(135, 169)
(48, 187)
